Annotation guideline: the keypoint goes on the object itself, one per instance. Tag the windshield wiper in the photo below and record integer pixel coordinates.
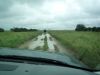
(16, 58)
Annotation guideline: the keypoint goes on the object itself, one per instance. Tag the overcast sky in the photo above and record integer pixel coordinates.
(49, 14)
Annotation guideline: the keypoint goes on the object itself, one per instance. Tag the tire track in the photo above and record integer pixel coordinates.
(34, 43)
(38, 43)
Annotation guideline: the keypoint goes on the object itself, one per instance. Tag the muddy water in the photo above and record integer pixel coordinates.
(37, 43)
(53, 44)
(34, 43)
(50, 43)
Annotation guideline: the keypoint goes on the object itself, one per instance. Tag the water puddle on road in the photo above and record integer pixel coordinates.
(34, 43)
(39, 42)
(55, 46)
(50, 42)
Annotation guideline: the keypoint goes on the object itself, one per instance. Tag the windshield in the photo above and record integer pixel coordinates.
(69, 27)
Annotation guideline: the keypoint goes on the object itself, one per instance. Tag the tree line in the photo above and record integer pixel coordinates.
(81, 27)
(2, 30)
(22, 29)
(19, 30)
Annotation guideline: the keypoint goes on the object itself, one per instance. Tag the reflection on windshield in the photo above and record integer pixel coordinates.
(69, 27)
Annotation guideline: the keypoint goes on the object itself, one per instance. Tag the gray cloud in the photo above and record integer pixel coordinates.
(32, 2)
(90, 6)
(5, 5)
(35, 13)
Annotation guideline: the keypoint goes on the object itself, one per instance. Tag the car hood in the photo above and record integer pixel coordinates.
(10, 68)
(42, 54)
(14, 68)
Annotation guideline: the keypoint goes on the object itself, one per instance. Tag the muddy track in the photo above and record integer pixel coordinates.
(47, 41)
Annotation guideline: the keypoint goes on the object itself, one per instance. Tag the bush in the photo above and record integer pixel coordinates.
(81, 27)
(22, 29)
(1, 30)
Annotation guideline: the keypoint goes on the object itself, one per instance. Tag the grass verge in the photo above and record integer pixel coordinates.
(45, 47)
(85, 45)
(15, 39)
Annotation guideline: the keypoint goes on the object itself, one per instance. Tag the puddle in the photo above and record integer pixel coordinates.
(55, 46)
(38, 43)
(50, 42)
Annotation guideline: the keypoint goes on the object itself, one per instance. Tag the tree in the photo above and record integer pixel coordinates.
(22, 29)
(2, 30)
(94, 29)
(45, 31)
(80, 27)
(89, 29)
(97, 29)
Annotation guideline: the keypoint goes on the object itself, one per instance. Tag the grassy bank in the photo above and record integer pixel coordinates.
(14, 39)
(45, 47)
(85, 45)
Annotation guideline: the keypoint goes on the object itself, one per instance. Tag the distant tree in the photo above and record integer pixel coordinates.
(80, 27)
(2, 30)
(22, 29)
(98, 29)
(89, 29)
(32, 30)
(45, 31)
(94, 29)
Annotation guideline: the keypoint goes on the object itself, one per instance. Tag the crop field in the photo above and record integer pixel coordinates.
(15, 39)
(85, 45)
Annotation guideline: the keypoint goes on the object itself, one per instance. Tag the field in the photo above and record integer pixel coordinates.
(15, 39)
(85, 45)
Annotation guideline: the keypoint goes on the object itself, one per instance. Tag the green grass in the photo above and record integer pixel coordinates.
(85, 45)
(45, 47)
(15, 39)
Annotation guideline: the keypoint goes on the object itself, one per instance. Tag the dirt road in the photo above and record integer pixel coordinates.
(39, 42)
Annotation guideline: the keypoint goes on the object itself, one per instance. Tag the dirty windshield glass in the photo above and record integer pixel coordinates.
(63, 27)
